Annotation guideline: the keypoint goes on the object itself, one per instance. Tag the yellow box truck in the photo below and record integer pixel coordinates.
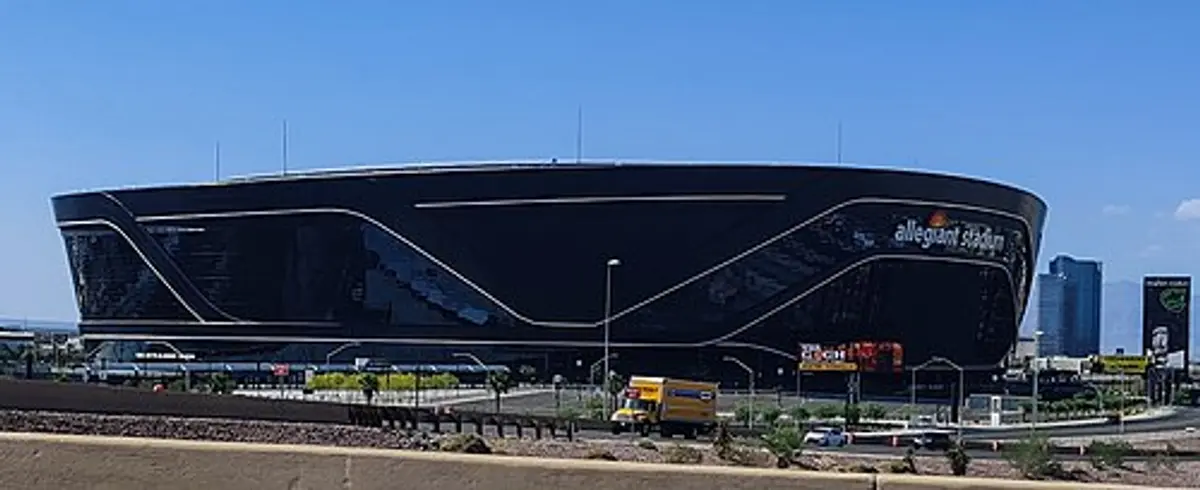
(667, 406)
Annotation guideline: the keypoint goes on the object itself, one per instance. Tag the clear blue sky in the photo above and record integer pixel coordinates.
(1093, 104)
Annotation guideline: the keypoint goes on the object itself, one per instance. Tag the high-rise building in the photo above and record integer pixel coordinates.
(1069, 307)
(1052, 293)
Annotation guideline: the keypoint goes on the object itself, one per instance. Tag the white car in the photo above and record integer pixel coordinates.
(826, 436)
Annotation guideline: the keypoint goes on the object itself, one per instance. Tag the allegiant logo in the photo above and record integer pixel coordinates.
(939, 232)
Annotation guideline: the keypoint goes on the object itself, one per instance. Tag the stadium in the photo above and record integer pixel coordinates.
(784, 267)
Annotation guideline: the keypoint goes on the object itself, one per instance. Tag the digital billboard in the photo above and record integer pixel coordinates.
(860, 356)
(1166, 318)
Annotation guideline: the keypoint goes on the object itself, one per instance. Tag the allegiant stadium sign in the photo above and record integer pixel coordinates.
(939, 231)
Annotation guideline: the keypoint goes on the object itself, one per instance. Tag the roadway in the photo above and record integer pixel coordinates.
(1182, 419)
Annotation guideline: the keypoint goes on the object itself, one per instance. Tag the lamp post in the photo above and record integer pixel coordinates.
(338, 350)
(1037, 355)
(608, 269)
(961, 386)
(592, 368)
(750, 423)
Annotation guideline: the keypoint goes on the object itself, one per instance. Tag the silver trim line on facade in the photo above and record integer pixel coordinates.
(603, 200)
(723, 337)
(577, 324)
(211, 323)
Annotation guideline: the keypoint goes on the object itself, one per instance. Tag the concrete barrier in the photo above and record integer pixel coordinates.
(20, 394)
(61, 462)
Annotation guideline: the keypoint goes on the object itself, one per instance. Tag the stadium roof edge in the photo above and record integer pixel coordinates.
(530, 163)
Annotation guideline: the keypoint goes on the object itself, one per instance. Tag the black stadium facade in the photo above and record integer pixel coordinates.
(511, 262)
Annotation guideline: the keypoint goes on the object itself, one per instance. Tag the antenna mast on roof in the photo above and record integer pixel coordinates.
(217, 162)
(579, 134)
(839, 143)
(285, 147)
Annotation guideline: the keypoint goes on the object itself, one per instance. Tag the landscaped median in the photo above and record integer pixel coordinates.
(65, 462)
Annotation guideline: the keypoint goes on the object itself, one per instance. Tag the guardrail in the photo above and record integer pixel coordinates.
(408, 417)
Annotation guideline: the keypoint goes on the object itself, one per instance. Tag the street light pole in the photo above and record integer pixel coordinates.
(608, 269)
(1037, 354)
(961, 387)
(592, 368)
(750, 423)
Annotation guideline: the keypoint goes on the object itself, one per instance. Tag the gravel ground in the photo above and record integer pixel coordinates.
(211, 430)
(1184, 474)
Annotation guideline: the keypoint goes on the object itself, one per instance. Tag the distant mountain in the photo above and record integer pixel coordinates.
(39, 325)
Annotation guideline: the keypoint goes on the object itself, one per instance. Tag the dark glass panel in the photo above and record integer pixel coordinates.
(113, 282)
(319, 267)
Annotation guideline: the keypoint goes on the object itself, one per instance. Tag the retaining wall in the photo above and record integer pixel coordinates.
(58, 462)
(22, 394)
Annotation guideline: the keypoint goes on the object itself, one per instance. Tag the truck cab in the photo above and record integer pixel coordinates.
(667, 406)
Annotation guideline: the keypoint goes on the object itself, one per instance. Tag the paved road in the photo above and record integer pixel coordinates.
(1184, 418)
(545, 403)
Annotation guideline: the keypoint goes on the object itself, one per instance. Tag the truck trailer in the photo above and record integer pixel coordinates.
(667, 406)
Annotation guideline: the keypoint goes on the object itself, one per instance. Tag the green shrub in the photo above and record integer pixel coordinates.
(722, 440)
(799, 413)
(827, 411)
(1034, 458)
(569, 413)
(852, 413)
(1105, 455)
(769, 414)
(785, 443)
(593, 407)
(874, 411)
(468, 442)
(387, 382)
(958, 458)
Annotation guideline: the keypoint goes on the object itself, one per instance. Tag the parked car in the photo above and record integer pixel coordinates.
(826, 436)
(933, 441)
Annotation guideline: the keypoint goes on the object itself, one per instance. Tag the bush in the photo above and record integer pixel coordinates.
(570, 413)
(1034, 458)
(220, 383)
(722, 440)
(679, 454)
(593, 407)
(647, 444)
(852, 413)
(469, 443)
(388, 382)
(958, 458)
(799, 413)
(1105, 455)
(874, 411)
(863, 468)
(827, 411)
(1163, 460)
(785, 443)
(768, 414)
